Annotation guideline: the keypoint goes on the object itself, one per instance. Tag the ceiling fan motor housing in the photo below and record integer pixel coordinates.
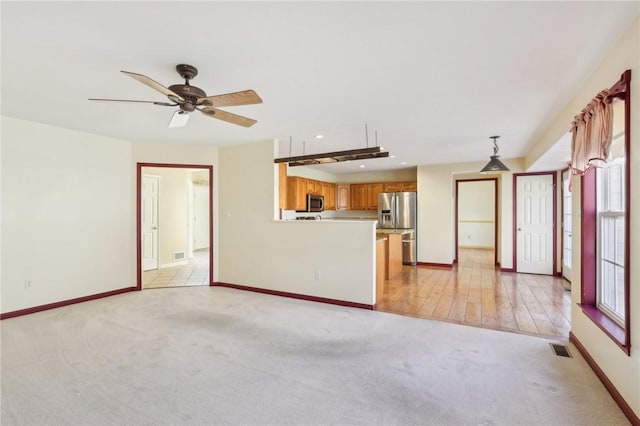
(190, 95)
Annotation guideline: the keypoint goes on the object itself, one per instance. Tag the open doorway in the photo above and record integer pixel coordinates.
(174, 225)
(476, 211)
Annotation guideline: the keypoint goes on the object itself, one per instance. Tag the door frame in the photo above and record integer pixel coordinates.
(139, 167)
(495, 216)
(562, 172)
(554, 207)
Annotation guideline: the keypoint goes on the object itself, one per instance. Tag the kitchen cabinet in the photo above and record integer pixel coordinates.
(297, 189)
(343, 197)
(373, 189)
(410, 186)
(282, 185)
(359, 196)
(364, 196)
(329, 194)
(314, 187)
(332, 196)
(296, 193)
(393, 187)
(401, 186)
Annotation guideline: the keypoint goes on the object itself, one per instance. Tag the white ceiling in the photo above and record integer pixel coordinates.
(434, 79)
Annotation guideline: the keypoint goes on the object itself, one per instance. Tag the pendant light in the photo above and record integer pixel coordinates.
(495, 165)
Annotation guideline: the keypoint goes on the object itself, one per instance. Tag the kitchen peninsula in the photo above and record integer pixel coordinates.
(393, 250)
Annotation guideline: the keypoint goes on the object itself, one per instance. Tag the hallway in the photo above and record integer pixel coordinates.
(475, 293)
(194, 273)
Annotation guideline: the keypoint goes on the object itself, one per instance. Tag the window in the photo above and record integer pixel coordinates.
(567, 217)
(604, 246)
(611, 206)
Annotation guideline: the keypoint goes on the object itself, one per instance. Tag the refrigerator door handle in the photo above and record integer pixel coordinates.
(394, 209)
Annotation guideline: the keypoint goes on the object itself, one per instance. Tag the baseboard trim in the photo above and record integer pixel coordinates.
(296, 296)
(507, 270)
(62, 303)
(435, 265)
(626, 409)
(173, 264)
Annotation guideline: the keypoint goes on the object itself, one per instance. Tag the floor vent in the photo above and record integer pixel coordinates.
(561, 350)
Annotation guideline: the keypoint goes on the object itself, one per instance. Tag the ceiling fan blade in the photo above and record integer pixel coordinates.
(179, 119)
(127, 100)
(228, 117)
(155, 85)
(246, 97)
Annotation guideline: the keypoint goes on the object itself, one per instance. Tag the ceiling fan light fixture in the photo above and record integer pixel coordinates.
(179, 119)
(494, 164)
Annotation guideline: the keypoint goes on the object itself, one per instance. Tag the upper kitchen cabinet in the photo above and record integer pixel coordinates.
(296, 193)
(343, 195)
(312, 187)
(373, 189)
(401, 186)
(298, 187)
(359, 196)
(329, 194)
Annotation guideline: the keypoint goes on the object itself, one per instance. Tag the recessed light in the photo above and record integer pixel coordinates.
(403, 163)
(392, 156)
(319, 136)
(362, 166)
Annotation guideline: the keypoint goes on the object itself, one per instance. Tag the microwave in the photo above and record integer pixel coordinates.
(315, 203)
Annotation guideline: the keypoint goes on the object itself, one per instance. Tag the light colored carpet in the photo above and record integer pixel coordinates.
(205, 355)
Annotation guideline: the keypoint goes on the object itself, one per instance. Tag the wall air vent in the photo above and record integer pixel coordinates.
(179, 255)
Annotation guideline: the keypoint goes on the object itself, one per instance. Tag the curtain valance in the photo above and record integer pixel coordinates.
(591, 129)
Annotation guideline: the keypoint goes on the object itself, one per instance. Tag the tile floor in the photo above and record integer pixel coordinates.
(196, 272)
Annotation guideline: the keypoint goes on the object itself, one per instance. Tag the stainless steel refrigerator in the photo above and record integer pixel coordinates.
(397, 210)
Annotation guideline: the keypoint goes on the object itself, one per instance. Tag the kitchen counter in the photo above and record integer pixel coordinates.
(393, 231)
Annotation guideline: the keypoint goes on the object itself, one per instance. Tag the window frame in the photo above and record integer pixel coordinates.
(589, 268)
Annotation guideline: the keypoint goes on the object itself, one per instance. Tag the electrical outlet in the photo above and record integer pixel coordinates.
(316, 275)
(27, 283)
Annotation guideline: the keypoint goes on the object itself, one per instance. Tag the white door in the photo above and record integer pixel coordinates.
(534, 223)
(566, 225)
(200, 217)
(150, 187)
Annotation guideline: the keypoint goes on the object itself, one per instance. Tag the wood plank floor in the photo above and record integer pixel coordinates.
(476, 293)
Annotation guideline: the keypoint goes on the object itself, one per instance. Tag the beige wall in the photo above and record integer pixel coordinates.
(293, 256)
(66, 222)
(363, 177)
(387, 176)
(173, 212)
(310, 173)
(476, 214)
(436, 210)
(622, 370)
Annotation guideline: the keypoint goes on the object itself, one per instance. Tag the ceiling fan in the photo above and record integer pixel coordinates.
(190, 98)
